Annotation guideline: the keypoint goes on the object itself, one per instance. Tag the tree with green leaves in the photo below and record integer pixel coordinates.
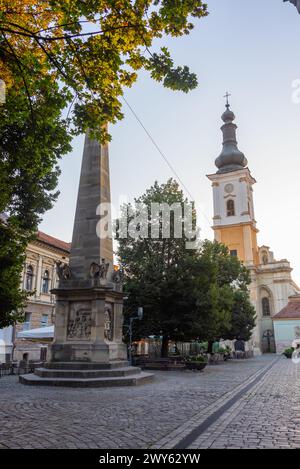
(233, 274)
(65, 66)
(243, 317)
(12, 299)
(236, 317)
(95, 48)
(32, 140)
(186, 294)
(154, 267)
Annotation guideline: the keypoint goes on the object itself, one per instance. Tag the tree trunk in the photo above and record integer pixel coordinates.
(209, 348)
(165, 346)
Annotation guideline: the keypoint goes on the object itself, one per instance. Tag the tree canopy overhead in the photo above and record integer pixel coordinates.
(95, 48)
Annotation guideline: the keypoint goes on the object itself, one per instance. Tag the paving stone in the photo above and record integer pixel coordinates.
(265, 418)
(160, 413)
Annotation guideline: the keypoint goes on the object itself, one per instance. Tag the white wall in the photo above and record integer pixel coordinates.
(6, 344)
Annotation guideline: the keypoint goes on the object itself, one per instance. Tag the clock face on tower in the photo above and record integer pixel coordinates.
(229, 188)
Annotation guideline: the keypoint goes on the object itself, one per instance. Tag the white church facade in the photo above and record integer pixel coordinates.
(235, 226)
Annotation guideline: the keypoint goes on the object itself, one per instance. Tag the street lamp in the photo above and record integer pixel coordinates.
(139, 317)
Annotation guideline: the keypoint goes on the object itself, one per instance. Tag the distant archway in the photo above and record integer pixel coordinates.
(266, 300)
(267, 328)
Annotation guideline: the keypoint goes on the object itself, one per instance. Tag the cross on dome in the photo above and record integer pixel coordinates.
(227, 95)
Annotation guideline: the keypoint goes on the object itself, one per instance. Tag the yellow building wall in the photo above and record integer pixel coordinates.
(235, 238)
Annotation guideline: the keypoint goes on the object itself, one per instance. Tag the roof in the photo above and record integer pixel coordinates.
(44, 238)
(55, 242)
(291, 310)
(39, 333)
(51, 241)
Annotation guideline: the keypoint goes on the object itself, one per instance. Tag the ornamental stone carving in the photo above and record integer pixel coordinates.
(79, 326)
(63, 270)
(117, 276)
(99, 270)
(229, 188)
(108, 323)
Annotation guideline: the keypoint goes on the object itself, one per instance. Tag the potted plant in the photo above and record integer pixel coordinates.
(226, 352)
(288, 352)
(197, 362)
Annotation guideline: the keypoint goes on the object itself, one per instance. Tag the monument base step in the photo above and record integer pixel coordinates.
(132, 380)
(86, 373)
(85, 365)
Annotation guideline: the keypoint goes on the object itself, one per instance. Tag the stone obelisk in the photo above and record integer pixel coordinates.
(88, 349)
(94, 189)
(88, 323)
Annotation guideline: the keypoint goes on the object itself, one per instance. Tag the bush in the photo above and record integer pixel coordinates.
(197, 358)
(288, 352)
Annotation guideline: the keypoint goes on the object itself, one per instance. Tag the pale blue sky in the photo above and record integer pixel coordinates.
(250, 48)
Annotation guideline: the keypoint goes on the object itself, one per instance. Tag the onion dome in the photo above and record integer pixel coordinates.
(231, 158)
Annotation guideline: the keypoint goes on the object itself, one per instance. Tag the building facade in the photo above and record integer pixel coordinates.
(235, 226)
(287, 325)
(39, 276)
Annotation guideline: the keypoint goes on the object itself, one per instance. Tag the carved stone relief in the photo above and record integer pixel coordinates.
(108, 322)
(79, 323)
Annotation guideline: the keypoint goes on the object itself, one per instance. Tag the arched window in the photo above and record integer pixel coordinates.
(265, 302)
(45, 284)
(230, 208)
(29, 278)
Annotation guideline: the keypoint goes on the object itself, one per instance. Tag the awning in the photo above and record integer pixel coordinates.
(39, 333)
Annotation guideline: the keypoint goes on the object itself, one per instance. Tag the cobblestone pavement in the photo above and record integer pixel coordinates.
(160, 414)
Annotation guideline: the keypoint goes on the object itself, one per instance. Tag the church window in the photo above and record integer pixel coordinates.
(29, 278)
(266, 306)
(233, 253)
(230, 208)
(45, 284)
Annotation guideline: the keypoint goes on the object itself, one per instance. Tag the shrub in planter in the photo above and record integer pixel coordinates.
(226, 352)
(288, 352)
(197, 362)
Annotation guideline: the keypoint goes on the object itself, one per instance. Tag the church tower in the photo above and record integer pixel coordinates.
(234, 221)
(234, 225)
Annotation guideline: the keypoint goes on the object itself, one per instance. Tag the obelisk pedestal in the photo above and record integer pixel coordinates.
(88, 349)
